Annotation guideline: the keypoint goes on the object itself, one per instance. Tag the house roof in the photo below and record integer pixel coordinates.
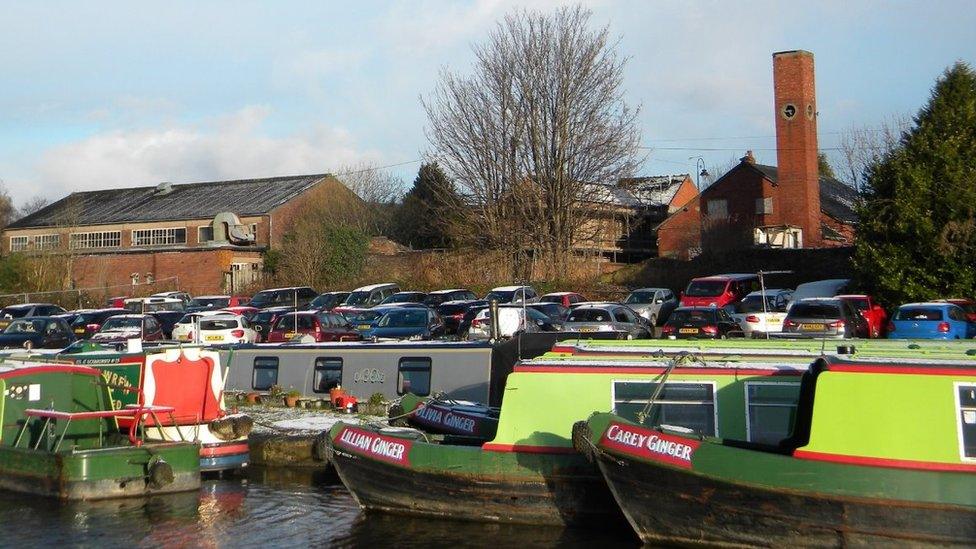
(244, 197)
(836, 199)
(648, 191)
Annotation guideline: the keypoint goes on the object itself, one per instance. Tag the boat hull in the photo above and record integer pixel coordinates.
(469, 483)
(98, 474)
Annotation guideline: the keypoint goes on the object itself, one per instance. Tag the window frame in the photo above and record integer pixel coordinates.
(315, 369)
(745, 390)
(200, 235)
(23, 243)
(960, 440)
(157, 236)
(430, 374)
(74, 239)
(255, 368)
(710, 383)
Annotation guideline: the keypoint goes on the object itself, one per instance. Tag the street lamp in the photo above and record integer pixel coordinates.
(700, 171)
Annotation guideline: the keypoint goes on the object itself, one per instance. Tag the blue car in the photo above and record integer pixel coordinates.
(930, 321)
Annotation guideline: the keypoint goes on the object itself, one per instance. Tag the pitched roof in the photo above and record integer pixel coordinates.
(635, 192)
(836, 198)
(244, 197)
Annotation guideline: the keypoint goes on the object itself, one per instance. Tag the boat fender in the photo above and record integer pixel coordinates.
(582, 440)
(160, 473)
(321, 447)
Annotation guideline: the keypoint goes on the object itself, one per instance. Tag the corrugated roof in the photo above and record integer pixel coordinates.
(634, 192)
(243, 197)
(837, 199)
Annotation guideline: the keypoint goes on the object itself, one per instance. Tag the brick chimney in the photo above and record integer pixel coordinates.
(796, 142)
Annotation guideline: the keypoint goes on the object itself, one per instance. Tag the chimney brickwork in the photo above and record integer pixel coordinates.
(796, 143)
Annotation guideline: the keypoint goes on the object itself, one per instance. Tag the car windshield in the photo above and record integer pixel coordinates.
(433, 300)
(357, 298)
(551, 310)
(121, 324)
(85, 318)
(639, 297)
(501, 297)
(590, 315)
(218, 324)
(706, 288)
(918, 313)
(403, 319)
(699, 317)
(210, 302)
(14, 312)
(363, 316)
(815, 310)
(754, 304)
(324, 300)
(405, 297)
(25, 327)
(551, 299)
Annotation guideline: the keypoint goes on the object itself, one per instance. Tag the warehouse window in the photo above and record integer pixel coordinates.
(689, 405)
(102, 239)
(159, 237)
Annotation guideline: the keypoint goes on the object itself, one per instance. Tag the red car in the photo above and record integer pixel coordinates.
(872, 312)
(968, 306)
(321, 326)
(563, 298)
(718, 290)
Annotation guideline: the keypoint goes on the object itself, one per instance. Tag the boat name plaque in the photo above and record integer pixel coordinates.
(649, 444)
(390, 449)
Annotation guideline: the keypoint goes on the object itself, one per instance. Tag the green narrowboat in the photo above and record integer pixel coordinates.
(60, 438)
(459, 422)
(880, 453)
(529, 472)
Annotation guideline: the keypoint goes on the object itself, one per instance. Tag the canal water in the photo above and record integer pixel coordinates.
(264, 508)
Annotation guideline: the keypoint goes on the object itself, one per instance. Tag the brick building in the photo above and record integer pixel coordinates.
(784, 206)
(205, 237)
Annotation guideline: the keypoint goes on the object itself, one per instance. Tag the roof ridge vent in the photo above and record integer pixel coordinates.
(164, 188)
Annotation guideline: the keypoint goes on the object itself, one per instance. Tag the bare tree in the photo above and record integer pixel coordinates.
(379, 190)
(32, 205)
(536, 136)
(861, 146)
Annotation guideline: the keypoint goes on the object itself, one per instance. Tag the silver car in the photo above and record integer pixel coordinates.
(607, 317)
(654, 304)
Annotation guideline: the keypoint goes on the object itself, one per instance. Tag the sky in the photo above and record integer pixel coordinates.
(99, 95)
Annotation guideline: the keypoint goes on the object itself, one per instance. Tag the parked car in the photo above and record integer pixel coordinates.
(368, 296)
(824, 318)
(700, 323)
(437, 297)
(762, 312)
(140, 305)
(452, 313)
(8, 314)
(510, 322)
(718, 290)
(556, 311)
(654, 304)
(328, 301)
(607, 317)
(89, 322)
(264, 319)
(474, 307)
(513, 294)
(129, 326)
(821, 288)
(225, 328)
(873, 313)
(404, 297)
(296, 297)
(167, 319)
(935, 320)
(320, 326)
(968, 306)
(362, 319)
(215, 302)
(70, 316)
(182, 296)
(407, 323)
(36, 332)
(184, 328)
(565, 299)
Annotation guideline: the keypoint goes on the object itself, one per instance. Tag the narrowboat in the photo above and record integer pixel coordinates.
(59, 438)
(460, 422)
(880, 452)
(188, 378)
(529, 472)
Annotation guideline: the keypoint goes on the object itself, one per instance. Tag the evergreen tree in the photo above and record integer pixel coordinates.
(823, 165)
(917, 232)
(428, 212)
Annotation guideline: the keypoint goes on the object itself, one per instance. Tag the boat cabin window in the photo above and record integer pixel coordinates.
(265, 373)
(967, 420)
(328, 374)
(771, 409)
(690, 405)
(413, 376)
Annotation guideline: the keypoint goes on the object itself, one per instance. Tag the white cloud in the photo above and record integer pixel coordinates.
(228, 147)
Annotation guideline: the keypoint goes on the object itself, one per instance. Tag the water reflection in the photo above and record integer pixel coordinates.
(268, 507)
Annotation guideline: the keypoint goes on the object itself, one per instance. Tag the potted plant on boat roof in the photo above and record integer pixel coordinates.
(276, 394)
(291, 398)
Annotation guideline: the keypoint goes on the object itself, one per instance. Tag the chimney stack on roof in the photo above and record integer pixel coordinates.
(748, 158)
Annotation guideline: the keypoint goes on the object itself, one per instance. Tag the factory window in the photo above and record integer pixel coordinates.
(771, 411)
(35, 242)
(265, 373)
(689, 405)
(204, 234)
(414, 376)
(19, 243)
(102, 239)
(159, 237)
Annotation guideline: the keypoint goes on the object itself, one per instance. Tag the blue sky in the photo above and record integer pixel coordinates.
(101, 94)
